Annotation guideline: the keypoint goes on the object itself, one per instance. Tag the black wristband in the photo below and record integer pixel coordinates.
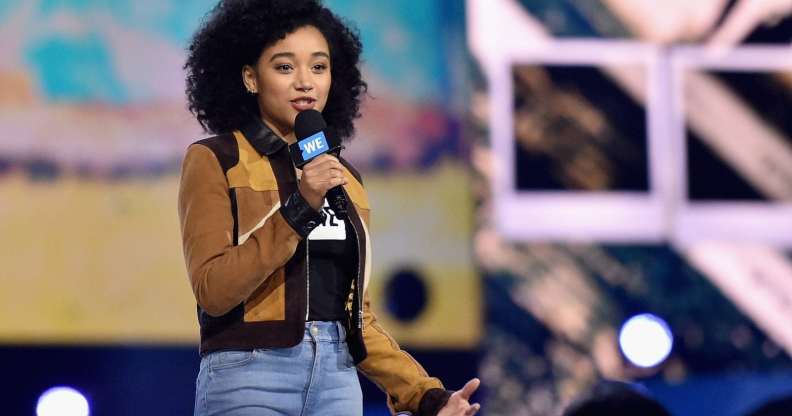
(432, 401)
(300, 215)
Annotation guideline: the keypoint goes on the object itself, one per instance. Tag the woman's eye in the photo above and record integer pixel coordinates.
(319, 67)
(283, 68)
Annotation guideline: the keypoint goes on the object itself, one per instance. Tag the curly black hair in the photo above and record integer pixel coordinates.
(236, 32)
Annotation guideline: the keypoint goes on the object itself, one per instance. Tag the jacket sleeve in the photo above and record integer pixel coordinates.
(223, 275)
(394, 371)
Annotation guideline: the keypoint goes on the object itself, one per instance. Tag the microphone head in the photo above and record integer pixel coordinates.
(307, 123)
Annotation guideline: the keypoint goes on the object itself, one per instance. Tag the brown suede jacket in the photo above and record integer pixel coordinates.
(244, 225)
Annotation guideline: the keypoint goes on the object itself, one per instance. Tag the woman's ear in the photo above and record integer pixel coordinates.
(249, 79)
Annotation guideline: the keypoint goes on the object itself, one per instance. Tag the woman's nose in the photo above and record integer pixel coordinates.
(303, 81)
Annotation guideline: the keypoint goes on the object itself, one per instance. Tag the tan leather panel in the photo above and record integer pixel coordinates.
(252, 171)
(355, 190)
(364, 216)
(267, 303)
(252, 206)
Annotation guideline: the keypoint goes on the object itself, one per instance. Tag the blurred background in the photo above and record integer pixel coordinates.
(608, 182)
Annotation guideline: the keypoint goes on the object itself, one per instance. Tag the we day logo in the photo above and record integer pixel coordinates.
(313, 146)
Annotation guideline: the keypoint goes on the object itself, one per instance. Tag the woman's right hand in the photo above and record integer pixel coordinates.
(318, 176)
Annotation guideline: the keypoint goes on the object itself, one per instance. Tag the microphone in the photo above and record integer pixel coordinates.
(314, 139)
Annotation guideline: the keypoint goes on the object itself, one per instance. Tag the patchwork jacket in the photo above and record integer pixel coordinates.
(244, 226)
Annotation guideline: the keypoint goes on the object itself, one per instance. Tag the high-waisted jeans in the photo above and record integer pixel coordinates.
(315, 377)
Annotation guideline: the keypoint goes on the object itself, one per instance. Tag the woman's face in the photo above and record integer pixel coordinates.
(290, 76)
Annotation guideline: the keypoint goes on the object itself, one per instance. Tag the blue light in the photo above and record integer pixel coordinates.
(646, 340)
(62, 401)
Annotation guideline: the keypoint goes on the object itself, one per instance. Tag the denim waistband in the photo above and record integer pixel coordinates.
(324, 331)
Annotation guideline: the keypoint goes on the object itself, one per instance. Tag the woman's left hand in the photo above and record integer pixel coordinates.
(458, 404)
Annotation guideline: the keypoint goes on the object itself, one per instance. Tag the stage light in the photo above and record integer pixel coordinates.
(62, 401)
(645, 340)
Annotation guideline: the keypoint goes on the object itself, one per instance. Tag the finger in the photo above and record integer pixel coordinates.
(325, 157)
(469, 389)
(336, 171)
(473, 409)
(322, 162)
(332, 174)
(322, 171)
(316, 162)
(332, 182)
(324, 180)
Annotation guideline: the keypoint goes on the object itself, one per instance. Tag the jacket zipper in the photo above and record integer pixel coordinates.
(307, 280)
(358, 283)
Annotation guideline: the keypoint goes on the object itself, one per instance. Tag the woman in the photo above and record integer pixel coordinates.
(281, 290)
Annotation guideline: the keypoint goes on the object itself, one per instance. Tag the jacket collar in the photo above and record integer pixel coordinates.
(262, 138)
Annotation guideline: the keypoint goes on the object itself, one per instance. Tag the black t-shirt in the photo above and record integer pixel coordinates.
(332, 252)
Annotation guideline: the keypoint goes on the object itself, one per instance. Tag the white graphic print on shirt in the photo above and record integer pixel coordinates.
(332, 228)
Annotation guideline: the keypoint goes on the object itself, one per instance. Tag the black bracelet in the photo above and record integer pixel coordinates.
(300, 215)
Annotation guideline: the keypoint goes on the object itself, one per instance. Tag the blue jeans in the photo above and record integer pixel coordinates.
(315, 377)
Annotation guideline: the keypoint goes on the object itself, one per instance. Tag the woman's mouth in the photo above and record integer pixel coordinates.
(303, 103)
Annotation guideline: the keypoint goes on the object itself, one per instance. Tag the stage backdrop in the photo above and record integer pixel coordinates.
(633, 157)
